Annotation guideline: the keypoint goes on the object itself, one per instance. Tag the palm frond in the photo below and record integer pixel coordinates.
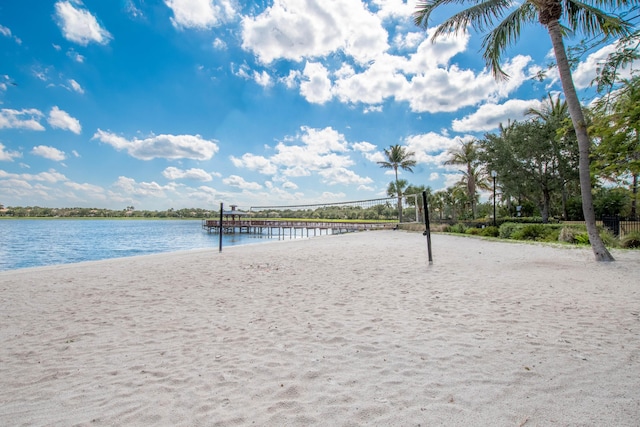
(505, 34)
(593, 21)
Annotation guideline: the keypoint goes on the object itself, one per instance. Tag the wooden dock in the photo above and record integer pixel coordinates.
(272, 228)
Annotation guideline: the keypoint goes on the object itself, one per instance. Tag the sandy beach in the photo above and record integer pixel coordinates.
(346, 330)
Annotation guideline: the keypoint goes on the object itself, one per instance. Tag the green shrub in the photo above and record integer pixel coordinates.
(531, 232)
(568, 235)
(631, 240)
(490, 231)
(582, 238)
(507, 229)
(552, 234)
(456, 228)
(609, 239)
(474, 231)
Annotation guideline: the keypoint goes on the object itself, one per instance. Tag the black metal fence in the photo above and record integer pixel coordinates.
(620, 227)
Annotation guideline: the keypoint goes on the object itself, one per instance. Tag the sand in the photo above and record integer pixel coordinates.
(348, 330)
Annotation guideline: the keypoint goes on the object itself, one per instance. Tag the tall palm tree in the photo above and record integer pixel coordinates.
(398, 157)
(507, 19)
(467, 155)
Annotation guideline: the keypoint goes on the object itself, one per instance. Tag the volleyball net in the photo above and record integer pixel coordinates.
(384, 209)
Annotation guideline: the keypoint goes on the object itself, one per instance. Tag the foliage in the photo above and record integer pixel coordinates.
(631, 240)
(456, 228)
(611, 201)
(398, 157)
(536, 232)
(568, 234)
(490, 231)
(507, 229)
(609, 239)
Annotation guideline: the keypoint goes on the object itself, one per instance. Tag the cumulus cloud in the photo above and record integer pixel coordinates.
(315, 85)
(256, 163)
(431, 148)
(490, 116)
(307, 28)
(324, 152)
(8, 155)
(50, 153)
(131, 187)
(239, 182)
(161, 146)
(79, 25)
(200, 14)
(195, 174)
(62, 120)
(21, 119)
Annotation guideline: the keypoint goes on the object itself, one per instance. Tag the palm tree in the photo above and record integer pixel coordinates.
(555, 114)
(578, 16)
(398, 157)
(467, 155)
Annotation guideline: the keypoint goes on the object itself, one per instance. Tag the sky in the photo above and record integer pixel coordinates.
(162, 104)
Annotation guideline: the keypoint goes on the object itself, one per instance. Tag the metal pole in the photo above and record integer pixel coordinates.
(494, 200)
(427, 231)
(221, 229)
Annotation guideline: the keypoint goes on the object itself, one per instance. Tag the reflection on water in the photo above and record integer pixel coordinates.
(31, 243)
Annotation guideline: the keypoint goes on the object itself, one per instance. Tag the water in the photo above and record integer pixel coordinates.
(35, 242)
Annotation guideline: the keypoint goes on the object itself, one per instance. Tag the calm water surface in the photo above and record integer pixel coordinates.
(32, 243)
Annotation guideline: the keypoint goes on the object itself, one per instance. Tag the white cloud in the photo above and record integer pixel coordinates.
(490, 116)
(62, 120)
(263, 78)
(174, 173)
(132, 188)
(79, 25)
(50, 153)
(431, 148)
(161, 146)
(307, 28)
(316, 86)
(200, 14)
(76, 86)
(239, 182)
(219, 44)
(255, 163)
(8, 155)
(4, 31)
(21, 119)
(313, 151)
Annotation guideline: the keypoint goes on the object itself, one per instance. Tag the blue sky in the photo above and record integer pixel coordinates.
(188, 103)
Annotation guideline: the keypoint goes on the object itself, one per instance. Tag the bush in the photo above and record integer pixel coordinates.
(582, 238)
(490, 231)
(531, 232)
(507, 229)
(609, 239)
(631, 240)
(568, 235)
(456, 228)
(473, 231)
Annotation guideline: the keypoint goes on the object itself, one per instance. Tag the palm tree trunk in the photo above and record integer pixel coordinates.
(399, 196)
(584, 143)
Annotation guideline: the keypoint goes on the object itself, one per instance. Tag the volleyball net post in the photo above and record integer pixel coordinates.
(427, 230)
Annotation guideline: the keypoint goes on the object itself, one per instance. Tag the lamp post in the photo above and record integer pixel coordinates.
(494, 174)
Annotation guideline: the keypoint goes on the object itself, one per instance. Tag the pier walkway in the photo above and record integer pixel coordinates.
(295, 228)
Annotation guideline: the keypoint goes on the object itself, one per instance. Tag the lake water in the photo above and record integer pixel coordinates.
(34, 242)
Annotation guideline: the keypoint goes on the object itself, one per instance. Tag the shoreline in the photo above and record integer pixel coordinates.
(353, 330)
